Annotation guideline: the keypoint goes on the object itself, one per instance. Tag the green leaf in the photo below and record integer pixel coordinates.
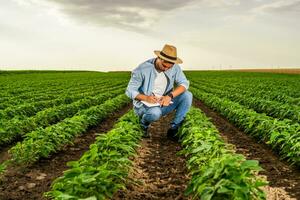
(251, 164)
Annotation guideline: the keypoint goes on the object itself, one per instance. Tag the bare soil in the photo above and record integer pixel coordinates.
(158, 173)
(30, 183)
(284, 180)
(4, 153)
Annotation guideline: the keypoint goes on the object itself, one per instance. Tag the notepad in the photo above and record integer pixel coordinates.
(153, 104)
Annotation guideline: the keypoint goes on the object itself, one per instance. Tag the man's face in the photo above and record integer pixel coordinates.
(164, 65)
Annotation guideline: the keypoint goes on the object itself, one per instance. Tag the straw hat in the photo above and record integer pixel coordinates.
(168, 53)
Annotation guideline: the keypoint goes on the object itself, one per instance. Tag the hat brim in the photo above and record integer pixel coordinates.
(177, 61)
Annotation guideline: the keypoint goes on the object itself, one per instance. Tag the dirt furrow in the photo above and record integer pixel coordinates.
(158, 173)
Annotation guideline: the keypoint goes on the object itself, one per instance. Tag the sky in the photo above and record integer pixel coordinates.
(109, 35)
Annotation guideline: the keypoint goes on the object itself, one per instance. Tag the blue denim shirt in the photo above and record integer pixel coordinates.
(142, 80)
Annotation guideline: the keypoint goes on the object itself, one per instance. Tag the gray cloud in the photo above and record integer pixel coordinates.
(136, 15)
(281, 6)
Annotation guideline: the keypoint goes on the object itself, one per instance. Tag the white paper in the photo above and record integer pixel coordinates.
(153, 104)
(150, 104)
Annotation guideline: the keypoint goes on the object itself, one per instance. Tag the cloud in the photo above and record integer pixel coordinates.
(137, 15)
(282, 6)
(258, 10)
(220, 3)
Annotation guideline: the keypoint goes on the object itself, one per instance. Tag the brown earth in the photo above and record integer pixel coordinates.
(158, 173)
(4, 153)
(30, 183)
(284, 180)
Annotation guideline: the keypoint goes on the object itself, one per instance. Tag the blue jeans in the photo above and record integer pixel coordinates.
(181, 104)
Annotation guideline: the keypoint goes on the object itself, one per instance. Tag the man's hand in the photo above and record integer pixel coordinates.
(149, 99)
(165, 101)
(152, 99)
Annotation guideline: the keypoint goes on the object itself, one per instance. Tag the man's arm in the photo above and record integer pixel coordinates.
(150, 99)
(134, 84)
(178, 91)
(165, 100)
(183, 85)
(180, 79)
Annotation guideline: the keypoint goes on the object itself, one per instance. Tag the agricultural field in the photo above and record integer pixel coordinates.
(280, 70)
(73, 135)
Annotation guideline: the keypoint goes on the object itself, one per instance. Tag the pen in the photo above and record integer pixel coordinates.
(155, 96)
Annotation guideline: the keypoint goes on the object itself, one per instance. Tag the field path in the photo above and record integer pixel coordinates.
(284, 180)
(30, 183)
(159, 172)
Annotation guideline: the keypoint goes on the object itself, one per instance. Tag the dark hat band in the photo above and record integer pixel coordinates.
(169, 57)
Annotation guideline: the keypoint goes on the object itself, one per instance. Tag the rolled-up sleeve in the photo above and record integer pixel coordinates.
(180, 79)
(134, 84)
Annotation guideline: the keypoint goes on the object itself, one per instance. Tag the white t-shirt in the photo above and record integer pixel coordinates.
(160, 84)
(159, 87)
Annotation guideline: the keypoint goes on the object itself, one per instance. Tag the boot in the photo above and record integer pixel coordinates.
(171, 134)
(146, 133)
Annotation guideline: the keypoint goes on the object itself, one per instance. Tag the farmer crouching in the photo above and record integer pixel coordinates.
(152, 90)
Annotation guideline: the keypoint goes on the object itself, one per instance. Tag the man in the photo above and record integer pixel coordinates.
(151, 89)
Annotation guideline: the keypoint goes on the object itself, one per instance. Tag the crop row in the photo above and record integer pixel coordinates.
(26, 92)
(271, 108)
(102, 170)
(288, 86)
(43, 142)
(280, 134)
(36, 96)
(47, 94)
(30, 109)
(216, 171)
(22, 88)
(250, 89)
(17, 128)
